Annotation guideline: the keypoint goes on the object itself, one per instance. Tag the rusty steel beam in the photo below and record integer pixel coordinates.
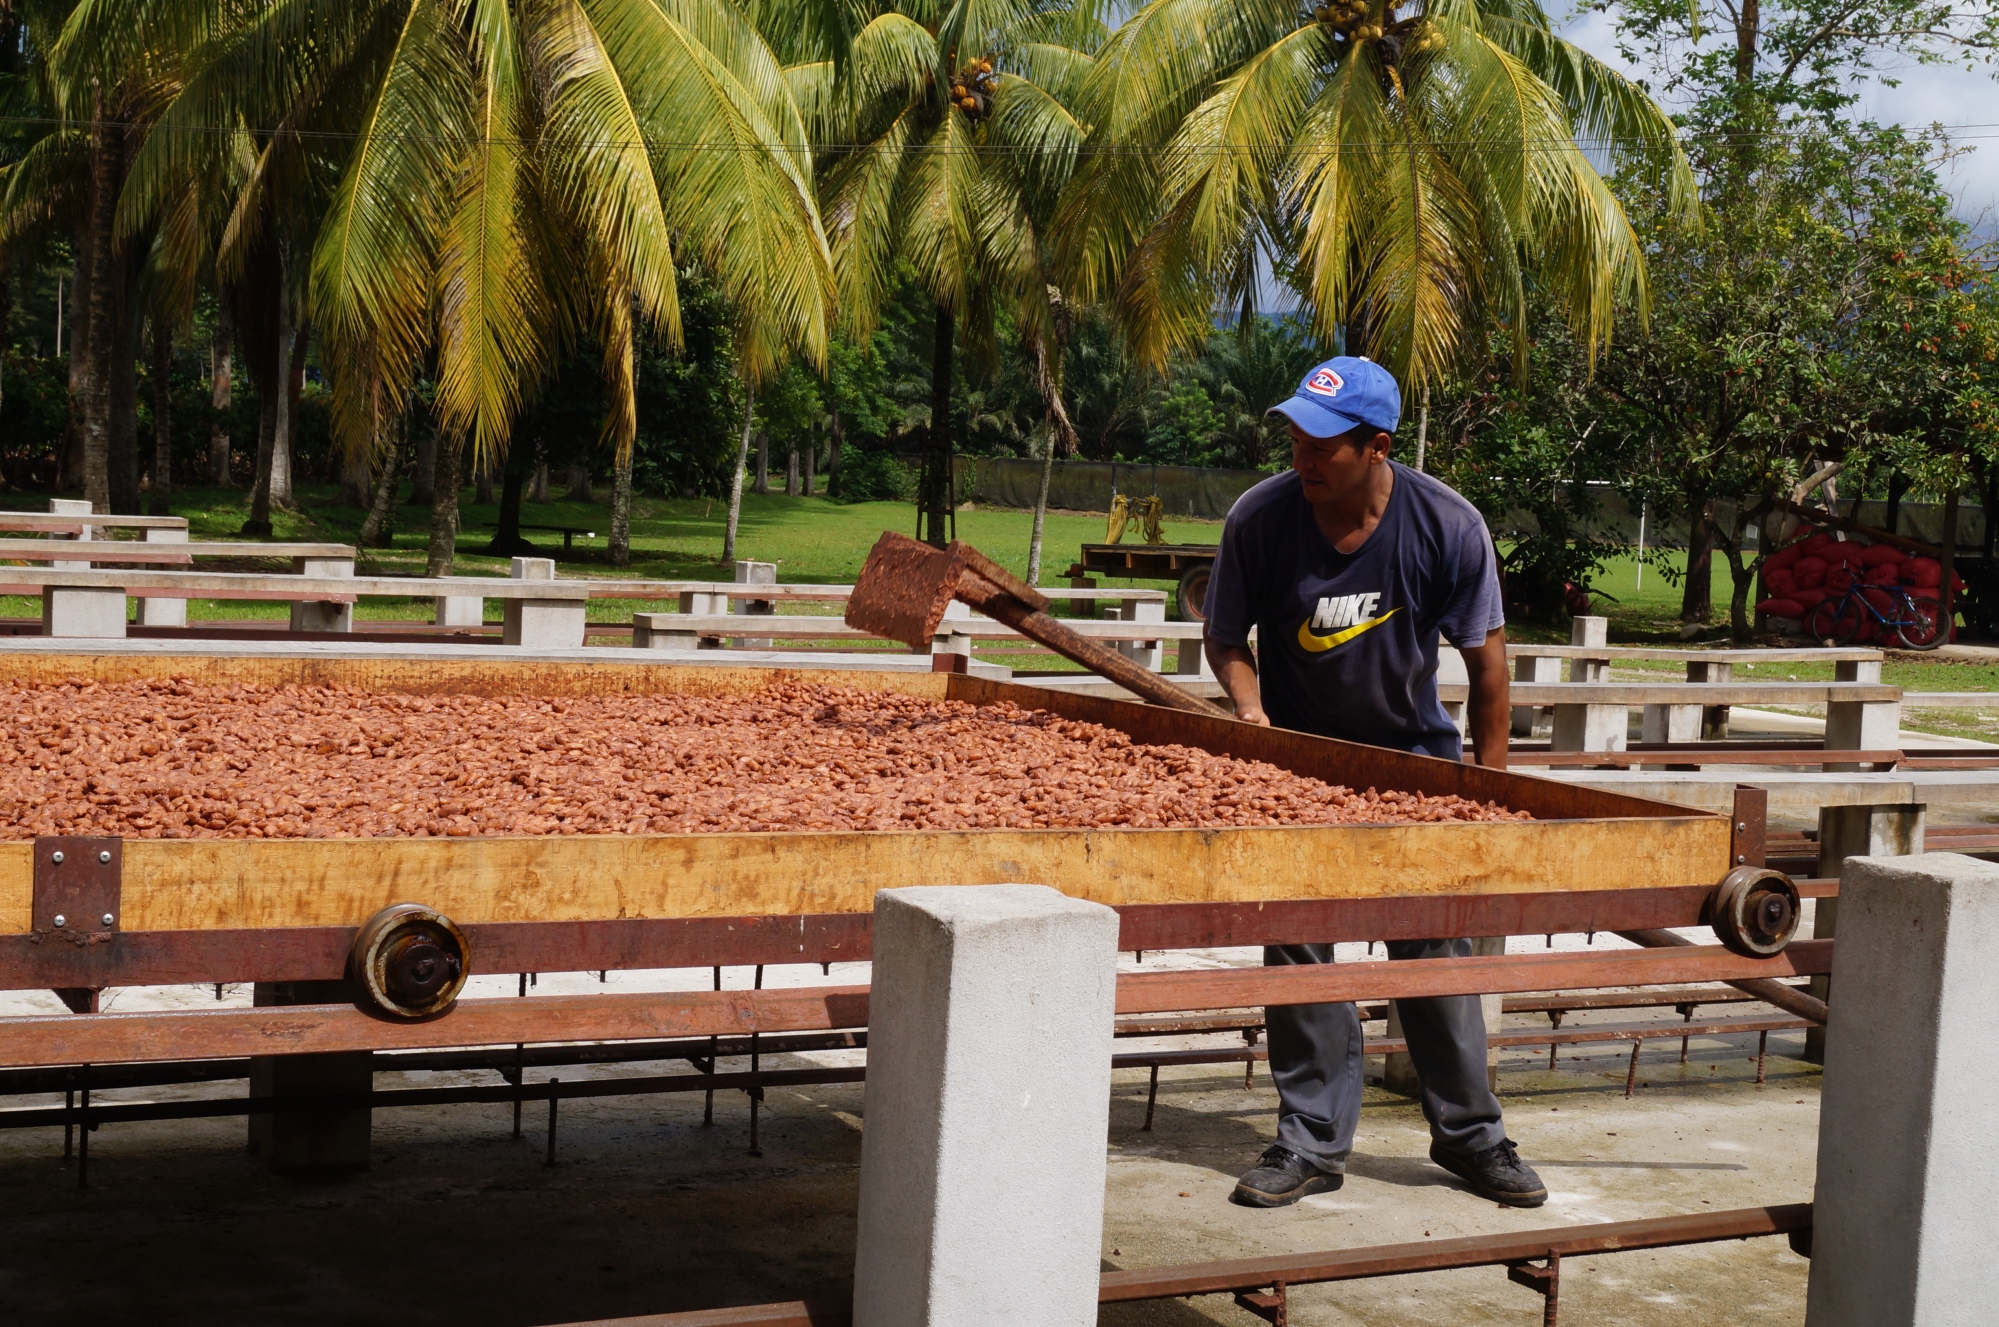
(305, 1029)
(1442, 1254)
(1294, 1269)
(130, 1038)
(1230, 988)
(1787, 998)
(319, 953)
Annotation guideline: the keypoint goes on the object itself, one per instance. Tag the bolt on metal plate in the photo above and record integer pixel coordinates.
(78, 884)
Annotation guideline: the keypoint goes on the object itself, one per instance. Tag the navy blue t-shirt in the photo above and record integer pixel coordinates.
(1347, 642)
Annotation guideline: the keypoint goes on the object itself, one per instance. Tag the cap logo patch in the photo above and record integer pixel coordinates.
(1324, 382)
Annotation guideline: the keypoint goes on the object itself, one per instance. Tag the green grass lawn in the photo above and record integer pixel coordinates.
(817, 540)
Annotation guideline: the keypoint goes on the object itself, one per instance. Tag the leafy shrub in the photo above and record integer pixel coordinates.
(874, 477)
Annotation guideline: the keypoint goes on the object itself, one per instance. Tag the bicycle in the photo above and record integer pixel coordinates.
(1918, 623)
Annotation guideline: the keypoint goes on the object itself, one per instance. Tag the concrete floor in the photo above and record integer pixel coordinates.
(647, 1211)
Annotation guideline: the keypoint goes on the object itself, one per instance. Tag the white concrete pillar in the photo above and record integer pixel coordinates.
(1714, 718)
(458, 610)
(543, 624)
(1148, 654)
(755, 573)
(1908, 1182)
(988, 1106)
(1845, 832)
(1857, 670)
(70, 507)
(1533, 720)
(96, 614)
(1590, 727)
(164, 612)
(324, 615)
(1190, 657)
(1672, 723)
(662, 631)
(1861, 725)
(1589, 631)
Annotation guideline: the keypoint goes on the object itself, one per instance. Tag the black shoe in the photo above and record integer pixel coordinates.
(1497, 1173)
(1281, 1178)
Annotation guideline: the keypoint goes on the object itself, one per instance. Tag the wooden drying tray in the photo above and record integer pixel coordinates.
(1585, 839)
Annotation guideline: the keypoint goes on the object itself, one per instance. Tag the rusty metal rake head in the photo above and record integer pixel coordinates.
(906, 585)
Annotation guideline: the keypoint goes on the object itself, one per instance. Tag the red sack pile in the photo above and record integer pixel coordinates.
(1804, 575)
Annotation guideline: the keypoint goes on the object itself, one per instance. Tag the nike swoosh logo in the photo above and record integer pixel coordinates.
(1320, 644)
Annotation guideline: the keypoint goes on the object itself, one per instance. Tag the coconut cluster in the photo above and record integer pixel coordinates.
(973, 87)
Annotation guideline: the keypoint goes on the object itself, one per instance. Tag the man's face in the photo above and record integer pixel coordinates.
(1334, 468)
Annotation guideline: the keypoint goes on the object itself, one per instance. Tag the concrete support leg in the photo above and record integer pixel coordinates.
(309, 1141)
(1845, 832)
(1714, 719)
(1589, 632)
(1859, 725)
(1672, 723)
(1147, 654)
(1590, 727)
(322, 617)
(988, 1102)
(1398, 1073)
(544, 624)
(164, 612)
(459, 610)
(95, 614)
(1528, 720)
(1908, 1183)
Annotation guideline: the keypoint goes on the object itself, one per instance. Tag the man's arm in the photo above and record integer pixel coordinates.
(1235, 667)
(1491, 716)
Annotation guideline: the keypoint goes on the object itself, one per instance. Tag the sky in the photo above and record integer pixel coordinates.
(1966, 100)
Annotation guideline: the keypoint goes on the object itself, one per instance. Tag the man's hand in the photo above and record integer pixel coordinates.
(1235, 668)
(1491, 717)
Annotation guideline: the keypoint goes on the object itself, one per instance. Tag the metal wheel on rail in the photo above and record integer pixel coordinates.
(1755, 911)
(408, 961)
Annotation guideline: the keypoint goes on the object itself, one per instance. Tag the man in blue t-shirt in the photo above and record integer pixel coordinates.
(1351, 568)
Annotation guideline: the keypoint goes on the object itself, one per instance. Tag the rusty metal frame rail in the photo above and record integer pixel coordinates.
(89, 1115)
(128, 1038)
(1250, 1278)
(313, 953)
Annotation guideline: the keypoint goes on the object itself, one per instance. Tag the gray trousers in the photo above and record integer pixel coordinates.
(1315, 1060)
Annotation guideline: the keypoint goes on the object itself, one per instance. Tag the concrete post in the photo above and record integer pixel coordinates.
(163, 612)
(1672, 723)
(755, 573)
(1531, 720)
(70, 507)
(1589, 631)
(94, 614)
(459, 610)
(317, 1140)
(660, 631)
(1590, 727)
(1857, 670)
(1714, 718)
(1846, 832)
(988, 1103)
(543, 624)
(1908, 1183)
(323, 616)
(1147, 654)
(1861, 725)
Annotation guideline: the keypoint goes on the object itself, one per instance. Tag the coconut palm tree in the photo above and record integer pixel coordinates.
(1411, 166)
(489, 181)
(952, 139)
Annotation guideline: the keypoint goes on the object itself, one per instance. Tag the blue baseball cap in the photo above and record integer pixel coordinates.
(1341, 395)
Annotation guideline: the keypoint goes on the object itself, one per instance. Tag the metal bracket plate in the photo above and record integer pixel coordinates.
(79, 899)
(1749, 827)
(78, 894)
